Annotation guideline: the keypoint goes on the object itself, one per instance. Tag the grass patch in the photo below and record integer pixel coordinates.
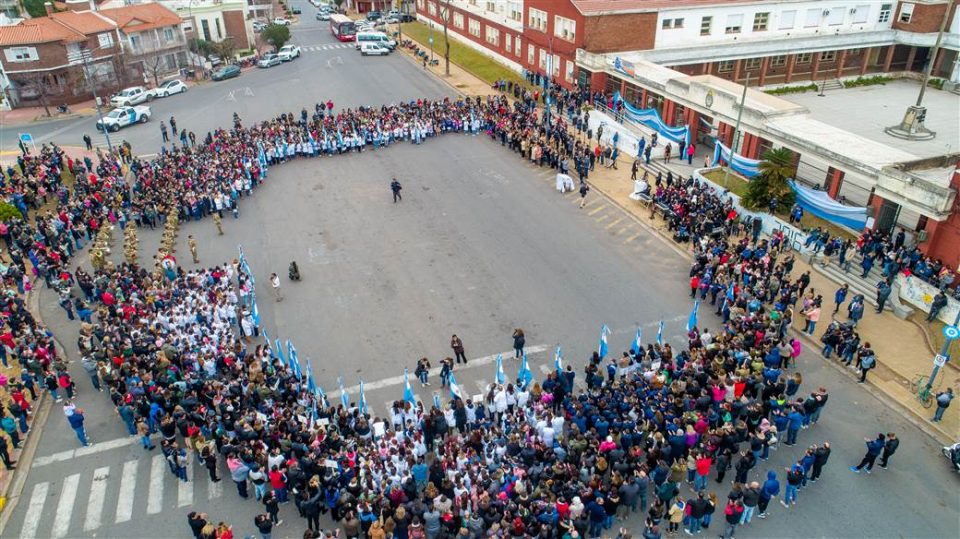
(785, 90)
(867, 81)
(480, 65)
(736, 183)
(936, 83)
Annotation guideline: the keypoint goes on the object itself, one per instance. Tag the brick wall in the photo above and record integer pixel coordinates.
(622, 32)
(926, 18)
(499, 49)
(236, 28)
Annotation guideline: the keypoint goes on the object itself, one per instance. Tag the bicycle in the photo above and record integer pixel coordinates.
(924, 393)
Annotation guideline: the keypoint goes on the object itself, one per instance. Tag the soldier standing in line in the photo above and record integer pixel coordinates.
(219, 222)
(192, 243)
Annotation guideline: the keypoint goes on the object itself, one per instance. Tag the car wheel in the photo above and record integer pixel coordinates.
(183, 89)
(114, 128)
(144, 119)
(149, 98)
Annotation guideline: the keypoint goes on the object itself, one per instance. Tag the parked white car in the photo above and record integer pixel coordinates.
(281, 21)
(373, 49)
(269, 60)
(133, 95)
(171, 87)
(124, 116)
(288, 52)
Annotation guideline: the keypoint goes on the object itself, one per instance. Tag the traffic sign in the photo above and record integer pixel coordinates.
(940, 360)
(951, 332)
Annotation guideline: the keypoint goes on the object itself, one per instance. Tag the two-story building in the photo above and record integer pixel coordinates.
(152, 38)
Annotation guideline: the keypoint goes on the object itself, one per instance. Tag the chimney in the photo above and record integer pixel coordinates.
(49, 7)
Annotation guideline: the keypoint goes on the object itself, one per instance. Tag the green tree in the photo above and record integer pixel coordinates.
(9, 211)
(35, 8)
(276, 35)
(776, 169)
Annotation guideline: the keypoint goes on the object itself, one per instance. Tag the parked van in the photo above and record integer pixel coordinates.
(379, 38)
(373, 49)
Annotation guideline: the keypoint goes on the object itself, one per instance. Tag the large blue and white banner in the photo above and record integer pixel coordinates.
(744, 166)
(820, 204)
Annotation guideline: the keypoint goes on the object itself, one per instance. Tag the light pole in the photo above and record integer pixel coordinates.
(950, 333)
(912, 128)
(546, 92)
(84, 56)
(736, 134)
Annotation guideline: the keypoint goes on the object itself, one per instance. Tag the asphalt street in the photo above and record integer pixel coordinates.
(480, 244)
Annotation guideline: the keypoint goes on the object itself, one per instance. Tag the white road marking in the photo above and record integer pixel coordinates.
(31, 521)
(155, 495)
(184, 493)
(215, 490)
(98, 490)
(68, 495)
(128, 482)
(85, 451)
(397, 380)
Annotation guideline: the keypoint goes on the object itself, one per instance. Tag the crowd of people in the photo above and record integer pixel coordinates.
(180, 358)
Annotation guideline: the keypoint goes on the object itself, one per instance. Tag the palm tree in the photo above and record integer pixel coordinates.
(777, 167)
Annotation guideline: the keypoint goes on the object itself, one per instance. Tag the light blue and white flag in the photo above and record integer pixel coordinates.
(255, 311)
(436, 401)
(525, 376)
(322, 397)
(265, 337)
(279, 350)
(660, 333)
(363, 400)
(455, 388)
(603, 348)
(294, 360)
(408, 395)
(692, 321)
(241, 258)
(501, 377)
(558, 360)
(344, 398)
(311, 385)
(637, 344)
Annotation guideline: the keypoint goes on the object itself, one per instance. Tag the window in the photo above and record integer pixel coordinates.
(168, 34)
(543, 60)
(564, 28)
(760, 21)
(530, 53)
(906, 13)
(778, 61)
(734, 24)
(516, 11)
(885, 10)
(474, 27)
(828, 56)
(491, 6)
(725, 66)
(555, 66)
(705, 24)
(813, 18)
(804, 58)
(493, 36)
(432, 9)
(21, 54)
(205, 29)
(219, 29)
(507, 43)
(516, 47)
(420, 5)
(753, 63)
(106, 40)
(538, 19)
(458, 20)
(568, 76)
(860, 14)
(835, 15)
(135, 41)
(788, 19)
(668, 24)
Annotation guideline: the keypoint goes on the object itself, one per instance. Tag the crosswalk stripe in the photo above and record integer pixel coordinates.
(613, 224)
(128, 481)
(215, 490)
(631, 238)
(596, 210)
(31, 521)
(602, 218)
(68, 495)
(155, 499)
(98, 490)
(185, 493)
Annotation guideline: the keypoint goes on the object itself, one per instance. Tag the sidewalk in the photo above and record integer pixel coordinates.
(28, 115)
(902, 350)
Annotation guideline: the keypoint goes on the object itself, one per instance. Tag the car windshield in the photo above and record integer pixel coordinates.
(116, 113)
(126, 93)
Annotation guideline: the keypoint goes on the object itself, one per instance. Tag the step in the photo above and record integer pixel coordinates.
(865, 287)
(832, 84)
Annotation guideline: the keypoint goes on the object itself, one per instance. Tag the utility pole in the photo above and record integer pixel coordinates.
(950, 333)
(736, 134)
(84, 57)
(546, 94)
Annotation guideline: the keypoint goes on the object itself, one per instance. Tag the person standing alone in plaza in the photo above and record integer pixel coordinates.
(457, 346)
(396, 187)
(874, 448)
(518, 342)
(584, 188)
(275, 286)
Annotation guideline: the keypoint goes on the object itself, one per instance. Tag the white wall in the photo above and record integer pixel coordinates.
(499, 15)
(840, 13)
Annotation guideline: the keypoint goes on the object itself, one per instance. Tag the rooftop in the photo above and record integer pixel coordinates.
(867, 110)
(141, 17)
(607, 7)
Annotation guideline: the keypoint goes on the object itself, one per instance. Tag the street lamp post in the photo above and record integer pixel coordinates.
(950, 333)
(84, 58)
(736, 133)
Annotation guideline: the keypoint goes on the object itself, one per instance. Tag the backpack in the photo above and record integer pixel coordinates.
(867, 362)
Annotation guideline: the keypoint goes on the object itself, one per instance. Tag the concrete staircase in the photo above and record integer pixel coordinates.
(858, 285)
(831, 84)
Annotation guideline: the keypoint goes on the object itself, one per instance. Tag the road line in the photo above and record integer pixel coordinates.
(155, 495)
(68, 495)
(613, 224)
(622, 230)
(31, 521)
(602, 218)
(631, 238)
(215, 490)
(397, 380)
(128, 482)
(185, 493)
(85, 451)
(98, 490)
(596, 210)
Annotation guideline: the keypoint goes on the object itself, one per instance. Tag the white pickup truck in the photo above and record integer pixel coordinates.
(124, 116)
(132, 96)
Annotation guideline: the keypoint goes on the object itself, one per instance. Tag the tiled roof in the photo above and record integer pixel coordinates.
(140, 17)
(85, 22)
(34, 31)
(601, 7)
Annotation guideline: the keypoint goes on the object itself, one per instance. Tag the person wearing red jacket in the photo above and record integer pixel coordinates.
(733, 514)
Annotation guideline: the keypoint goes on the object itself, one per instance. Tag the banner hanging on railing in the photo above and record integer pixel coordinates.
(651, 118)
(743, 165)
(820, 204)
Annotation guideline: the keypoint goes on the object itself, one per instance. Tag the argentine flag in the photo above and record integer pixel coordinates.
(501, 377)
(436, 401)
(294, 360)
(363, 400)
(692, 321)
(660, 333)
(637, 344)
(344, 398)
(603, 348)
(279, 347)
(558, 361)
(408, 395)
(525, 376)
(455, 388)
(311, 386)
(322, 397)
(254, 311)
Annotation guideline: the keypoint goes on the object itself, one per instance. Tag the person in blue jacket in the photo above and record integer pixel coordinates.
(874, 447)
(769, 491)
